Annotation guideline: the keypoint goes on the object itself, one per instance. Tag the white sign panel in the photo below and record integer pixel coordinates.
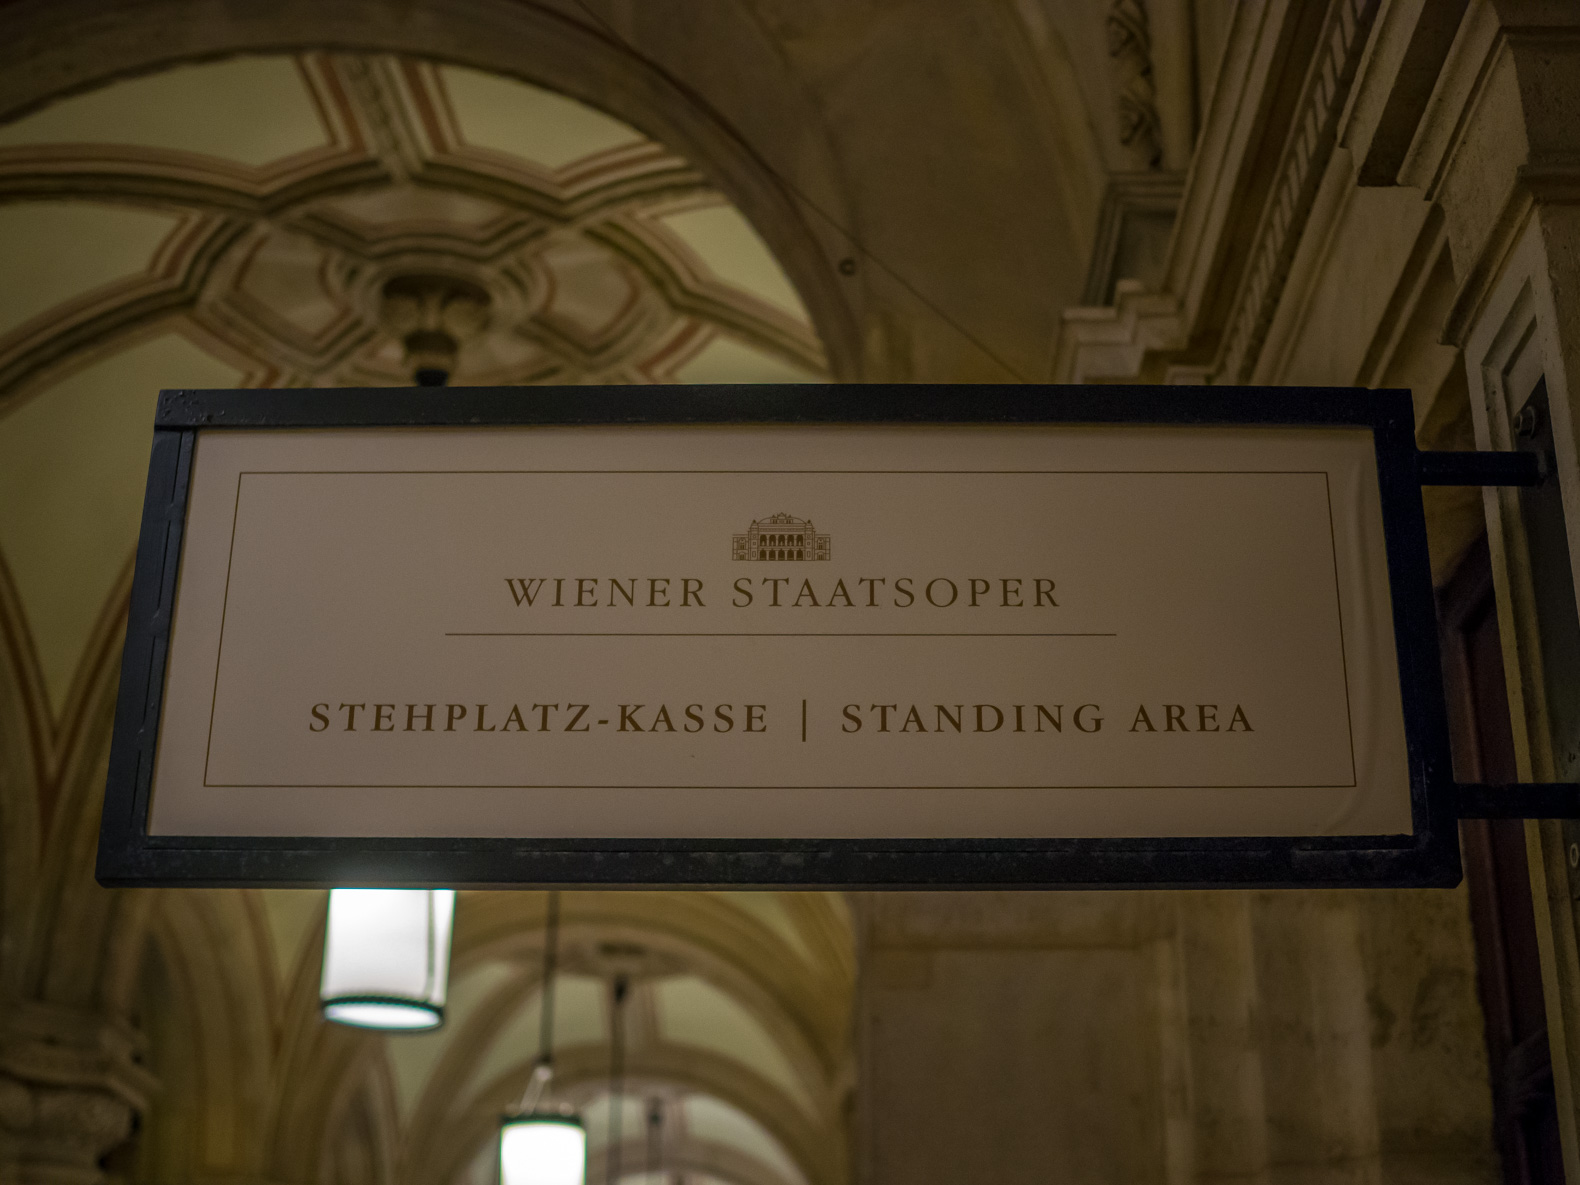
(780, 632)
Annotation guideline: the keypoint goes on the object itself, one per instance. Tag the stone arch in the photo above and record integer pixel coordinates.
(50, 51)
(801, 1002)
(21, 774)
(582, 1075)
(794, 999)
(331, 1090)
(208, 1006)
(84, 941)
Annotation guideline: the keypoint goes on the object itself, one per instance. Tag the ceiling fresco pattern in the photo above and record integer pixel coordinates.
(236, 224)
(607, 257)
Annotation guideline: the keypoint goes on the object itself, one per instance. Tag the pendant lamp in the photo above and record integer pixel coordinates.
(538, 1146)
(387, 958)
(542, 1148)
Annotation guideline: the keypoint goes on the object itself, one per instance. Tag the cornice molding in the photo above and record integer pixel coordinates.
(1101, 345)
(1308, 146)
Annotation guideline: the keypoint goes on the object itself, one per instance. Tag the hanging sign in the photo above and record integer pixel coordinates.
(779, 636)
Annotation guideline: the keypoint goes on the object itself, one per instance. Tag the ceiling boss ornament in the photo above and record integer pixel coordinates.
(433, 315)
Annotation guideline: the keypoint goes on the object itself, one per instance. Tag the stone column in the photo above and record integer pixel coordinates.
(70, 1086)
(1018, 1038)
(1218, 974)
(1315, 1040)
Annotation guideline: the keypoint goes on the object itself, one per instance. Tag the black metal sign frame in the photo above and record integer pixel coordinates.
(128, 855)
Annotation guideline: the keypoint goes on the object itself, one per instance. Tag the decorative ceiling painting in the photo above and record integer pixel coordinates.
(327, 220)
(574, 248)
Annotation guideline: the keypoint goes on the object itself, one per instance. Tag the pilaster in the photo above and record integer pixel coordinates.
(1515, 232)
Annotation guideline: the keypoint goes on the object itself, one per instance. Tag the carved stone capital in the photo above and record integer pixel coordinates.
(1130, 51)
(70, 1085)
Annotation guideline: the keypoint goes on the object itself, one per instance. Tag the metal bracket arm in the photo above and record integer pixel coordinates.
(1513, 800)
(1518, 800)
(1479, 468)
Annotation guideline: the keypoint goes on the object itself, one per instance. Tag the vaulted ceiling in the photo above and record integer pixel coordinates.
(236, 224)
(267, 201)
(240, 223)
(735, 1037)
(201, 195)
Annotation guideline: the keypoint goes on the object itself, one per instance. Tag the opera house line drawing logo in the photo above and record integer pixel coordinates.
(780, 537)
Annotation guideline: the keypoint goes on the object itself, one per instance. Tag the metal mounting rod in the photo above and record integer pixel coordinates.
(1518, 800)
(1479, 468)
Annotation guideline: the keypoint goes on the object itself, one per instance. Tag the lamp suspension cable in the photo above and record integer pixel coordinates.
(616, 1077)
(543, 1068)
(538, 1146)
(551, 956)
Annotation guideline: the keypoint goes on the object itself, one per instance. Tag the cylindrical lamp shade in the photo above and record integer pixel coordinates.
(542, 1149)
(387, 957)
